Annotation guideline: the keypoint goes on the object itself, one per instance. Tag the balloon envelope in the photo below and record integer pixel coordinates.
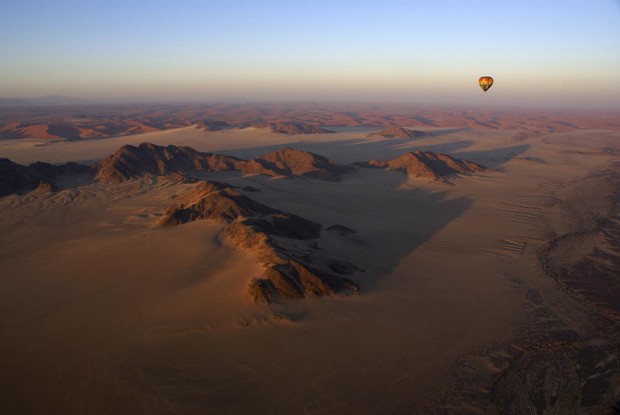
(485, 83)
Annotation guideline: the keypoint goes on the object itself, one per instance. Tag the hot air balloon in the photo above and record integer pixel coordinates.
(485, 83)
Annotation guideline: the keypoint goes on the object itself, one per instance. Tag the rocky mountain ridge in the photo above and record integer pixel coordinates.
(285, 243)
(277, 127)
(16, 178)
(131, 161)
(427, 164)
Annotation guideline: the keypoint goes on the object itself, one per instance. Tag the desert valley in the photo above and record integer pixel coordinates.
(286, 259)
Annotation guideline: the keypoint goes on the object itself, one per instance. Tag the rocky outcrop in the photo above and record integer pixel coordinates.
(284, 243)
(427, 164)
(292, 128)
(131, 161)
(16, 178)
(394, 131)
(214, 125)
(215, 201)
(45, 187)
(292, 162)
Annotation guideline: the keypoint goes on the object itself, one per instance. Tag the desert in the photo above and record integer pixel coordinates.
(309, 207)
(262, 266)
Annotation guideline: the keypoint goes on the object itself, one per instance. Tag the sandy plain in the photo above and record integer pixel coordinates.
(104, 312)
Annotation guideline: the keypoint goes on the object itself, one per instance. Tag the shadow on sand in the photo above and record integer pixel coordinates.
(450, 131)
(496, 157)
(390, 223)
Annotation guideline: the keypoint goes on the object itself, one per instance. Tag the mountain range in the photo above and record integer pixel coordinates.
(130, 162)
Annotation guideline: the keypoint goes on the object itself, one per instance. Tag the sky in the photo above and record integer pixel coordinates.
(544, 53)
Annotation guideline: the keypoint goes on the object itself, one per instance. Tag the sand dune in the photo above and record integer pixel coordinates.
(92, 121)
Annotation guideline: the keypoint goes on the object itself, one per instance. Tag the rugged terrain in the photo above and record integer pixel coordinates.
(284, 243)
(426, 164)
(149, 159)
(16, 178)
(130, 161)
(90, 120)
(212, 270)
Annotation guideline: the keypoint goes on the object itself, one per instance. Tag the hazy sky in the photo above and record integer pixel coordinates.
(539, 52)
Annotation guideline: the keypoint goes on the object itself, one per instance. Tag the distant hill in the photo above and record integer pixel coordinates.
(16, 178)
(394, 131)
(74, 130)
(71, 118)
(427, 164)
(279, 127)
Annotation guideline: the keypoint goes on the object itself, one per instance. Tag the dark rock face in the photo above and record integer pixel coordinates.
(215, 201)
(263, 291)
(294, 279)
(285, 225)
(130, 161)
(50, 170)
(15, 178)
(290, 272)
(436, 166)
(394, 131)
